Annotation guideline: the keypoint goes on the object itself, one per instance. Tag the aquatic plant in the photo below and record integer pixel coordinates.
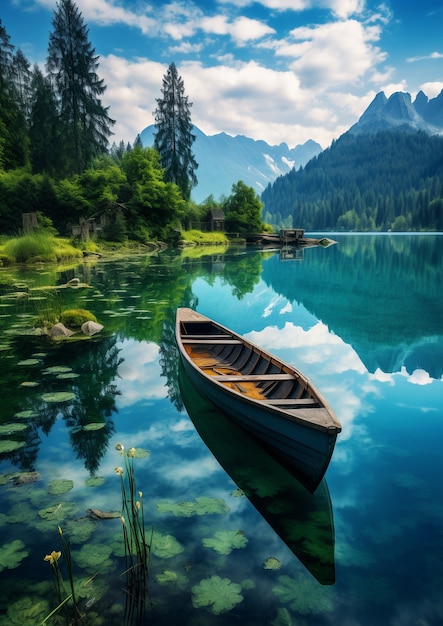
(272, 563)
(9, 429)
(165, 546)
(9, 445)
(59, 486)
(12, 554)
(218, 595)
(63, 598)
(225, 541)
(137, 547)
(303, 595)
(58, 396)
(200, 506)
(283, 618)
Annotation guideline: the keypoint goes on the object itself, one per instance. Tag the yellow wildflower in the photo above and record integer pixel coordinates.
(120, 447)
(131, 452)
(53, 557)
(119, 471)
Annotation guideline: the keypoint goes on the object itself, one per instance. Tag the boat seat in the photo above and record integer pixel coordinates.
(212, 341)
(237, 378)
(288, 402)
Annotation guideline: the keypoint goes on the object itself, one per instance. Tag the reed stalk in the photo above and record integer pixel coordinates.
(137, 547)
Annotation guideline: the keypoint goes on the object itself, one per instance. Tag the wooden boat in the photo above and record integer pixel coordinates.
(269, 398)
(303, 521)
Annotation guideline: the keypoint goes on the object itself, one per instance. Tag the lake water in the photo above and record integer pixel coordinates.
(236, 539)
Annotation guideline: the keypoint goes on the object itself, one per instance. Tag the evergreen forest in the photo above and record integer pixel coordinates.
(56, 162)
(390, 180)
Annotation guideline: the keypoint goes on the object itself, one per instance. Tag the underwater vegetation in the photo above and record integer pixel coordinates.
(225, 541)
(217, 594)
(200, 506)
(12, 554)
(303, 595)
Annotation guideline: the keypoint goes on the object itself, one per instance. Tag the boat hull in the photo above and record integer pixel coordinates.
(307, 446)
(303, 520)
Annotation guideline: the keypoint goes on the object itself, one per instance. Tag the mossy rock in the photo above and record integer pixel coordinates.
(74, 318)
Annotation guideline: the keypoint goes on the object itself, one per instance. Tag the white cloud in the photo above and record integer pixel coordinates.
(330, 54)
(433, 89)
(433, 55)
(340, 8)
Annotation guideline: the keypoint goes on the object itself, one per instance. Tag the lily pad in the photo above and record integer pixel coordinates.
(27, 611)
(60, 485)
(29, 383)
(58, 396)
(57, 512)
(272, 563)
(94, 481)
(9, 429)
(80, 530)
(12, 554)
(303, 595)
(94, 426)
(24, 415)
(165, 546)
(57, 369)
(217, 594)
(67, 376)
(91, 556)
(9, 445)
(225, 541)
(200, 506)
(166, 577)
(26, 362)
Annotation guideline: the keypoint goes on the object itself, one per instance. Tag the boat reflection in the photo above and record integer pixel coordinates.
(303, 520)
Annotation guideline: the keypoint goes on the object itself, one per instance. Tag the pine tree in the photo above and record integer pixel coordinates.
(173, 137)
(72, 65)
(44, 130)
(13, 130)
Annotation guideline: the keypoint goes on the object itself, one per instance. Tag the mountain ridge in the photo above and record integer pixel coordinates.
(224, 160)
(399, 112)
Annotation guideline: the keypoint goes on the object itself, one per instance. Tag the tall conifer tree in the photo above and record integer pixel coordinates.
(13, 130)
(44, 127)
(72, 65)
(173, 138)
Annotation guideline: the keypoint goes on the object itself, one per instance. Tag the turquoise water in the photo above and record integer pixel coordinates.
(363, 319)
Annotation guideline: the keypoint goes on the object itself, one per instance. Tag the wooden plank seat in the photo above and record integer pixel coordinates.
(292, 402)
(256, 378)
(212, 341)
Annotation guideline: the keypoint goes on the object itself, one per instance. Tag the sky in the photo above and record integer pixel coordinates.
(278, 70)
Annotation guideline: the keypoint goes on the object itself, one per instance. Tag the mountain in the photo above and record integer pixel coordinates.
(224, 160)
(385, 180)
(399, 113)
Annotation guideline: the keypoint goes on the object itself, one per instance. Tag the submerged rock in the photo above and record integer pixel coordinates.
(24, 478)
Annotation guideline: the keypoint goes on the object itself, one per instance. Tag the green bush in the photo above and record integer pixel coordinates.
(39, 246)
(74, 318)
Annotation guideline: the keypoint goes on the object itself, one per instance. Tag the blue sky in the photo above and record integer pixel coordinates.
(278, 70)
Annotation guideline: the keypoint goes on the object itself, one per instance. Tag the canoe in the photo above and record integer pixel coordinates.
(267, 397)
(303, 520)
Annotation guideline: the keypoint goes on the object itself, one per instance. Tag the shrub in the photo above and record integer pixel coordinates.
(74, 318)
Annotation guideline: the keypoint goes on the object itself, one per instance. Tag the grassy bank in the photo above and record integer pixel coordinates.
(37, 247)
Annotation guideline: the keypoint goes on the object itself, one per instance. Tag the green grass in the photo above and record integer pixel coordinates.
(204, 239)
(37, 247)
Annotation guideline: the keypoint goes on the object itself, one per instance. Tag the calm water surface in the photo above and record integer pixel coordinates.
(236, 538)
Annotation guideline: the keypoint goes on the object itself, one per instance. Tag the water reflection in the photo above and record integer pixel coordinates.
(303, 520)
(362, 319)
(82, 393)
